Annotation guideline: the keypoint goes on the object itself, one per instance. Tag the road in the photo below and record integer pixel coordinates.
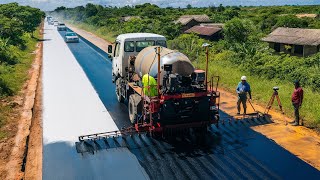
(72, 107)
(79, 99)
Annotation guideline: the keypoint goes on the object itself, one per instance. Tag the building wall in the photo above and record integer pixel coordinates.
(271, 45)
(309, 50)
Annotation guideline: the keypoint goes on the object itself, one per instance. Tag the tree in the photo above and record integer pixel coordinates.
(90, 10)
(231, 13)
(11, 29)
(61, 8)
(189, 6)
(238, 31)
(220, 8)
(292, 22)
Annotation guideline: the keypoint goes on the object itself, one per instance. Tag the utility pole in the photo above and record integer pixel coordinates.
(158, 76)
(206, 45)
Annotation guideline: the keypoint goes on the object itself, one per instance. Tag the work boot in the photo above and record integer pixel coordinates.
(296, 123)
(292, 122)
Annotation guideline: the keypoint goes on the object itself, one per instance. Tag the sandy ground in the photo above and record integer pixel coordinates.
(33, 168)
(14, 148)
(300, 140)
(99, 42)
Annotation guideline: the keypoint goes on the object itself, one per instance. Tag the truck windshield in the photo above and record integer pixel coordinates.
(143, 44)
(129, 46)
(71, 34)
(161, 43)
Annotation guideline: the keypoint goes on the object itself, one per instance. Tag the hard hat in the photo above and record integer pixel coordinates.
(243, 78)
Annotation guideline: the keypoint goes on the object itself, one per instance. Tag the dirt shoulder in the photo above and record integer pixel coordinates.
(13, 149)
(300, 141)
(33, 165)
(96, 40)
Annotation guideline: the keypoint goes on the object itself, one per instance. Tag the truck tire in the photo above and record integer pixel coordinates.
(118, 91)
(135, 107)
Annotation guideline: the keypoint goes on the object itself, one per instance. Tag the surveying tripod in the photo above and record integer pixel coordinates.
(274, 95)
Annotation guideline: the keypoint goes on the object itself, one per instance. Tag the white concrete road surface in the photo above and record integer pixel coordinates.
(71, 107)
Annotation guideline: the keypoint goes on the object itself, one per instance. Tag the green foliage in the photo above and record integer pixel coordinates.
(238, 31)
(16, 20)
(292, 22)
(61, 8)
(189, 44)
(16, 25)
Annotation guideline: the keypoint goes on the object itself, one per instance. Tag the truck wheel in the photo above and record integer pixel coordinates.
(134, 107)
(118, 91)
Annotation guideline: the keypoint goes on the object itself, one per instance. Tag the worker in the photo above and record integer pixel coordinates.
(149, 85)
(296, 98)
(242, 90)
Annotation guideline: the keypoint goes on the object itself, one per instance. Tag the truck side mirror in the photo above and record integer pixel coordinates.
(110, 49)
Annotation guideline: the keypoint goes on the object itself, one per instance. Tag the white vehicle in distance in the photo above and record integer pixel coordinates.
(50, 22)
(49, 18)
(61, 27)
(71, 37)
(55, 23)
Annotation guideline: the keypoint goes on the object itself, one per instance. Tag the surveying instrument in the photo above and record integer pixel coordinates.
(274, 95)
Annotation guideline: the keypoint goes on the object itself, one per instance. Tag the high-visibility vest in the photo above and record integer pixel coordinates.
(149, 85)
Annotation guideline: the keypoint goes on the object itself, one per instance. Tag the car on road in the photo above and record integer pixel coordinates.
(49, 18)
(71, 37)
(61, 27)
(55, 23)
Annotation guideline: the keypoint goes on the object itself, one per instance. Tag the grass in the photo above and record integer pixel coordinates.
(262, 90)
(16, 76)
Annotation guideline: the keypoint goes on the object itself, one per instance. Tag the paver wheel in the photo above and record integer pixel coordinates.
(135, 107)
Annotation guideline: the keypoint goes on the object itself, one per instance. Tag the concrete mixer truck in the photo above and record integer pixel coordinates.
(161, 86)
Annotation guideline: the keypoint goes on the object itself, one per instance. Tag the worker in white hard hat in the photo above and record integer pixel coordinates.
(243, 90)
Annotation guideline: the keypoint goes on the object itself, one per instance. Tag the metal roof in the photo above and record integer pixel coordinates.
(296, 36)
(204, 30)
(185, 19)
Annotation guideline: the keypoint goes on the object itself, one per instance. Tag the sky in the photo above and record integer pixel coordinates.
(52, 4)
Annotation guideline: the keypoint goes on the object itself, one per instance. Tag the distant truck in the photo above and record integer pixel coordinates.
(161, 86)
(61, 27)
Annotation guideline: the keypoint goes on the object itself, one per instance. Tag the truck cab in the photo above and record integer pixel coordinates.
(130, 45)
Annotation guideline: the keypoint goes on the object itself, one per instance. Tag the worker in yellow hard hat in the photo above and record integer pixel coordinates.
(242, 90)
(149, 85)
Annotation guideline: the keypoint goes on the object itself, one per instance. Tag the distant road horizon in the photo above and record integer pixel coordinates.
(49, 5)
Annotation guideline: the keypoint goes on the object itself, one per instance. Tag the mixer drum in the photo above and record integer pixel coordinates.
(147, 62)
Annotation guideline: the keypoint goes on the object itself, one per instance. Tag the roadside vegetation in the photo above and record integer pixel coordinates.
(19, 34)
(241, 52)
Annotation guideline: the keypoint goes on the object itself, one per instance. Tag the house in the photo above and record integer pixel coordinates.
(128, 18)
(313, 16)
(295, 41)
(219, 25)
(206, 32)
(188, 21)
